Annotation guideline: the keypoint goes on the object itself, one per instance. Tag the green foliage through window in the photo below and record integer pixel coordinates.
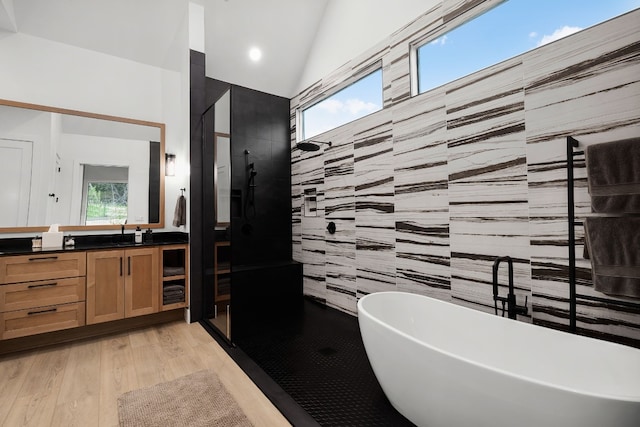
(107, 202)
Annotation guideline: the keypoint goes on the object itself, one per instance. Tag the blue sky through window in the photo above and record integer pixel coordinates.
(509, 29)
(357, 100)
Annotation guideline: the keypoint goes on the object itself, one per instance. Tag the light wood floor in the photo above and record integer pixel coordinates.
(78, 384)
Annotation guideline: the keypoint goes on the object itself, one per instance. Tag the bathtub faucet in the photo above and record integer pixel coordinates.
(512, 308)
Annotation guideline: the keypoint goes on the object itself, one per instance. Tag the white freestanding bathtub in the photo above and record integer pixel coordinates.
(440, 364)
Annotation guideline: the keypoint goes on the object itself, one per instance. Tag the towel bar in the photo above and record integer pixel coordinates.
(572, 145)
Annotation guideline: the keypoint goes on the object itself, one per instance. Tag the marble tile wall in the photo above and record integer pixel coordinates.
(426, 193)
(488, 203)
(340, 208)
(590, 89)
(375, 219)
(421, 196)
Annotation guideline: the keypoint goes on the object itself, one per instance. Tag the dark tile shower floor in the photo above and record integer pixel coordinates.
(318, 358)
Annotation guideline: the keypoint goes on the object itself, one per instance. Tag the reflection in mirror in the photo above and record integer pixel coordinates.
(222, 160)
(80, 170)
(222, 190)
(15, 176)
(222, 178)
(105, 192)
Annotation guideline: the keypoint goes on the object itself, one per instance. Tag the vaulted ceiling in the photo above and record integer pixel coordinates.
(139, 30)
(154, 32)
(147, 31)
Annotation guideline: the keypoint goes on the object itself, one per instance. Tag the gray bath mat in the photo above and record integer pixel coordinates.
(198, 399)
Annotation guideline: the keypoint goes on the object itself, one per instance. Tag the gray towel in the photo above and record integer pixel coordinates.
(172, 271)
(614, 248)
(173, 288)
(613, 172)
(180, 214)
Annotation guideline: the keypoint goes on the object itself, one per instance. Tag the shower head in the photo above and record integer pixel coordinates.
(307, 146)
(311, 145)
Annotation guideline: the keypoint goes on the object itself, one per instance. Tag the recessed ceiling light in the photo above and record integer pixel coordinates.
(255, 54)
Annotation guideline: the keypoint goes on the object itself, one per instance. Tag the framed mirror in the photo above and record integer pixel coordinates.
(81, 170)
(222, 179)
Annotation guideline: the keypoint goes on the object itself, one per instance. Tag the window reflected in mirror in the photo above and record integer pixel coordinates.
(105, 195)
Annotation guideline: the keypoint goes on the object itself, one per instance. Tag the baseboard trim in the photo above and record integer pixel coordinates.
(89, 331)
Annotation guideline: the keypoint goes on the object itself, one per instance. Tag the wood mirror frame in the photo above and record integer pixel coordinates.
(161, 168)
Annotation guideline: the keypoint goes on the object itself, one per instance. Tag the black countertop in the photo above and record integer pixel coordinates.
(22, 246)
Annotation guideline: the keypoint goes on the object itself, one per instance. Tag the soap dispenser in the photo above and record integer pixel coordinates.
(138, 235)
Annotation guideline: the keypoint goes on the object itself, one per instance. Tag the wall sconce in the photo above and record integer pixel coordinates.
(169, 164)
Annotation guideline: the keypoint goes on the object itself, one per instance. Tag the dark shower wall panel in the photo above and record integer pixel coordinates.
(259, 124)
(265, 293)
(281, 172)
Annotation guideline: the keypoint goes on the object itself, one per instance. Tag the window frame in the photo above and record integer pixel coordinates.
(415, 45)
(354, 78)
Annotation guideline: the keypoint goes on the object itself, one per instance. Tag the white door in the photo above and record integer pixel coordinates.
(15, 181)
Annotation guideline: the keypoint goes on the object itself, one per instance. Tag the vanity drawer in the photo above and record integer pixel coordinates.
(26, 268)
(21, 296)
(21, 323)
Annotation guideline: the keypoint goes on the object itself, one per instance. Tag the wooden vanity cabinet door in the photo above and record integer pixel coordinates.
(141, 282)
(105, 286)
(121, 283)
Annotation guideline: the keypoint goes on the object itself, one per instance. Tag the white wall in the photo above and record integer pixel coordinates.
(176, 115)
(351, 27)
(44, 72)
(196, 27)
(50, 73)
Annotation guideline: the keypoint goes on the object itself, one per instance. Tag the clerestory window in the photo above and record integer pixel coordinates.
(357, 100)
(505, 31)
